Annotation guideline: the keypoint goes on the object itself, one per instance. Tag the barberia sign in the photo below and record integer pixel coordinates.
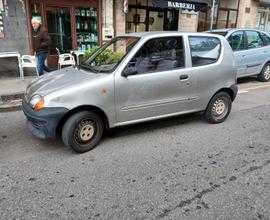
(178, 4)
(181, 5)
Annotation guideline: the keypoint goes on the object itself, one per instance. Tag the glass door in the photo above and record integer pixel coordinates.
(59, 29)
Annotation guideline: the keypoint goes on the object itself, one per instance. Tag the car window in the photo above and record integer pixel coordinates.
(254, 39)
(159, 54)
(236, 40)
(266, 39)
(204, 50)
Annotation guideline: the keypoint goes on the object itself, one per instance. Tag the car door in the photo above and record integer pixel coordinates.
(237, 42)
(256, 55)
(208, 68)
(161, 85)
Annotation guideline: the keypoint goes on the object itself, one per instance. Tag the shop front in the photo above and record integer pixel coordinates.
(72, 25)
(157, 15)
(263, 16)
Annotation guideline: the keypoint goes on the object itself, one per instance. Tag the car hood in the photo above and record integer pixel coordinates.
(59, 79)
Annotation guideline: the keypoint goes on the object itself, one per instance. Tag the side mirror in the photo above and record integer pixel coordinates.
(129, 71)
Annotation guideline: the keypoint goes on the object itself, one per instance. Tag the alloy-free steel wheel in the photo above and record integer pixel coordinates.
(82, 131)
(218, 108)
(264, 76)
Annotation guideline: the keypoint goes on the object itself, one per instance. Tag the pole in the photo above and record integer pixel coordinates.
(212, 14)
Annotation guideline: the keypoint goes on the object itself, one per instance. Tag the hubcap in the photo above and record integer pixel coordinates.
(267, 72)
(220, 108)
(85, 131)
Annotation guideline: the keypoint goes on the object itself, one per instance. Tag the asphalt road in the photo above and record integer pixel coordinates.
(177, 168)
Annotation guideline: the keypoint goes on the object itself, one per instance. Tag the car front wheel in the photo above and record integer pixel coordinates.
(264, 76)
(218, 108)
(82, 131)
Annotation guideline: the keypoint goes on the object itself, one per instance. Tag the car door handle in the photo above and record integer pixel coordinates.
(183, 77)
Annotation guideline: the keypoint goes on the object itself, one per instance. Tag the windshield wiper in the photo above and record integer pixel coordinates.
(84, 66)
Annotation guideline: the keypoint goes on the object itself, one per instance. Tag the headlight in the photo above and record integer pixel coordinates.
(37, 102)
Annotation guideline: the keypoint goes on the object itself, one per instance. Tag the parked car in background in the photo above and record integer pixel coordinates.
(133, 78)
(251, 50)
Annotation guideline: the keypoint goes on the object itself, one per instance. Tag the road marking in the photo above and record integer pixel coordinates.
(242, 91)
(245, 90)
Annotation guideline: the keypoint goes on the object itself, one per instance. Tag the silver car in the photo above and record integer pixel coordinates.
(133, 78)
(251, 50)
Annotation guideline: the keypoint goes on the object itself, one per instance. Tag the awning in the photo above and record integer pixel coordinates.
(180, 4)
(265, 3)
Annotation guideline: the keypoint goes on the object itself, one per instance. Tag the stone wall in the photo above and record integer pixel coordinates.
(248, 10)
(15, 35)
(188, 21)
(120, 18)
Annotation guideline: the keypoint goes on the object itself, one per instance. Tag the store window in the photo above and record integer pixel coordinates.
(225, 16)
(263, 19)
(86, 28)
(232, 4)
(58, 21)
(142, 16)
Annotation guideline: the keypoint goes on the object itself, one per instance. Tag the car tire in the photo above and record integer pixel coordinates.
(264, 76)
(82, 131)
(218, 108)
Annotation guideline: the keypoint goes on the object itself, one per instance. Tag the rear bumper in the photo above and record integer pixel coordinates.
(43, 123)
(234, 89)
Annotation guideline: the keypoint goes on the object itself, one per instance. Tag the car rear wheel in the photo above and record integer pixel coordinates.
(264, 76)
(82, 131)
(218, 108)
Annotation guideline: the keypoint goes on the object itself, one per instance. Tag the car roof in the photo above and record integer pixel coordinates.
(164, 33)
(230, 30)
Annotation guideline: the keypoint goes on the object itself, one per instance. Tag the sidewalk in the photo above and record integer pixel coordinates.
(11, 92)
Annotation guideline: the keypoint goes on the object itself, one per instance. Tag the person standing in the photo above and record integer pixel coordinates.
(41, 42)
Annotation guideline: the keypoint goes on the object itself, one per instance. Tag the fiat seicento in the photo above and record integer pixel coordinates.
(132, 79)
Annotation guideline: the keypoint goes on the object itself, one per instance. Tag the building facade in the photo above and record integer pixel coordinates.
(84, 24)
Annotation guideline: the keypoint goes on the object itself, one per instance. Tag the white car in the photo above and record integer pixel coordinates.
(251, 50)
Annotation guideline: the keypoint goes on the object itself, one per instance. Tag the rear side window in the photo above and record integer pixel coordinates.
(204, 50)
(266, 39)
(237, 41)
(254, 40)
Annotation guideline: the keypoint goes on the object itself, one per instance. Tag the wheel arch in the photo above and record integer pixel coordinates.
(229, 91)
(95, 109)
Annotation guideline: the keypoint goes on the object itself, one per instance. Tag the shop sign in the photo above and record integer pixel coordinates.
(178, 4)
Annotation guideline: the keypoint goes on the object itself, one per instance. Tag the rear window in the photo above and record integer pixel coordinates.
(204, 50)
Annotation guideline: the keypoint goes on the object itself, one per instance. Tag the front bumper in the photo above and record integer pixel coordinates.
(43, 123)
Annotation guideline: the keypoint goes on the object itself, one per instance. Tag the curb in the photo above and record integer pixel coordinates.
(11, 97)
(10, 102)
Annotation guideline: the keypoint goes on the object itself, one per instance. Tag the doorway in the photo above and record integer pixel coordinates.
(59, 28)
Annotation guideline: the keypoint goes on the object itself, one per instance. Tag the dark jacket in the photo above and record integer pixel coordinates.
(41, 40)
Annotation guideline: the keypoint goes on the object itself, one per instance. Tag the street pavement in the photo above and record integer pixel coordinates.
(177, 168)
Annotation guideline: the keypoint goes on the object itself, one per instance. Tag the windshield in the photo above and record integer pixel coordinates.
(108, 57)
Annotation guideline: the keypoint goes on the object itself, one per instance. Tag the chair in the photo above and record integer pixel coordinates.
(29, 61)
(65, 59)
